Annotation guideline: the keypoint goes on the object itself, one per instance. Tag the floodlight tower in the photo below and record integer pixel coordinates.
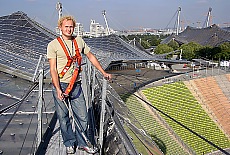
(178, 20)
(106, 23)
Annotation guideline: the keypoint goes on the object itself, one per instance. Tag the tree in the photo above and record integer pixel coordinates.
(205, 52)
(163, 48)
(224, 51)
(146, 40)
(190, 50)
(154, 41)
(173, 44)
(145, 44)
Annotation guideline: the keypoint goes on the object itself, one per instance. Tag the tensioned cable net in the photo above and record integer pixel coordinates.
(112, 48)
(22, 41)
(189, 117)
(117, 49)
(210, 36)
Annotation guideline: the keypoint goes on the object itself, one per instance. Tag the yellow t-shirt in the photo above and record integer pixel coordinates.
(54, 50)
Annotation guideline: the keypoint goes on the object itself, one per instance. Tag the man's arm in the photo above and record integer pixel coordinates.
(54, 76)
(96, 63)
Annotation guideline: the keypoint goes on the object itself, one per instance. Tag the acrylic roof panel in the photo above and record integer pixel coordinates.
(22, 42)
(113, 48)
(212, 36)
(226, 29)
(23, 32)
(117, 48)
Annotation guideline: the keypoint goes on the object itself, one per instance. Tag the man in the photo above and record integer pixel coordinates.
(64, 61)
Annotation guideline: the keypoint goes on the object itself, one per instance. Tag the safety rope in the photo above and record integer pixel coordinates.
(78, 124)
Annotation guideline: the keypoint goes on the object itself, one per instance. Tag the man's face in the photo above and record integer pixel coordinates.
(67, 29)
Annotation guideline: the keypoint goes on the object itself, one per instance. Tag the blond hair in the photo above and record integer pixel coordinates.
(60, 21)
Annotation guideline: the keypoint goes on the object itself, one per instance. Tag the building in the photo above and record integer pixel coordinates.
(96, 30)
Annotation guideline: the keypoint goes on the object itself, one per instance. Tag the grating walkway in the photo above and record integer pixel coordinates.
(56, 146)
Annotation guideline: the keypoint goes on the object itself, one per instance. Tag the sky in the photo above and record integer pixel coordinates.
(123, 14)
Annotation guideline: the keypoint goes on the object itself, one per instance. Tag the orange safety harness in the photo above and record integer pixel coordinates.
(74, 59)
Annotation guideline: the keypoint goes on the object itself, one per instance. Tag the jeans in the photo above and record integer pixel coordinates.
(78, 106)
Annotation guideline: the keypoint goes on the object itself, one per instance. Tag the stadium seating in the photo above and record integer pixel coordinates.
(215, 100)
(177, 101)
(152, 127)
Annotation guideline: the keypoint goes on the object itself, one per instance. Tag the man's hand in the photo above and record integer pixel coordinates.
(60, 95)
(107, 76)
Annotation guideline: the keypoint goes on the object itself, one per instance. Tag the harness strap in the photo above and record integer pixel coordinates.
(70, 59)
(77, 55)
(78, 93)
(75, 59)
(72, 81)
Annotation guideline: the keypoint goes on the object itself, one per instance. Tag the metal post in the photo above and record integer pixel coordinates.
(93, 82)
(36, 70)
(39, 131)
(89, 69)
(102, 117)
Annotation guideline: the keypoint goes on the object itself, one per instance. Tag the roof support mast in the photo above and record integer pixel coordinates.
(59, 8)
(106, 23)
(208, 17)
(178, 20)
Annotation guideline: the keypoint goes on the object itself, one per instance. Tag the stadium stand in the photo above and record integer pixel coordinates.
(177, 101)
(215, 100)
(156, 130)
(223, 83)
